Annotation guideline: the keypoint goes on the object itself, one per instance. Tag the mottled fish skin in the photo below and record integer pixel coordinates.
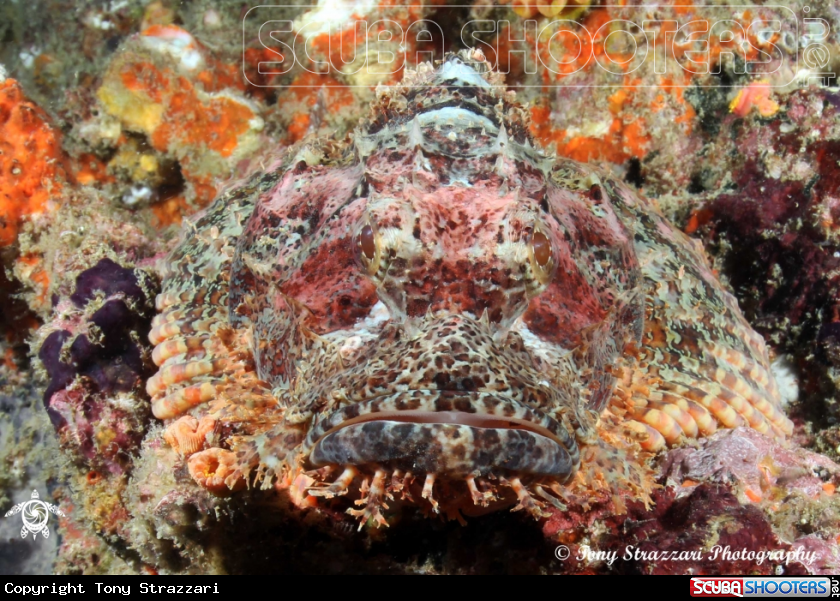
(701, 366)
(191, 331)
(439, 302)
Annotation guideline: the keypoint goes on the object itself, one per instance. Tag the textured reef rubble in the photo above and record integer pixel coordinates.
(771, 223)
(97, 172)
(96, 360)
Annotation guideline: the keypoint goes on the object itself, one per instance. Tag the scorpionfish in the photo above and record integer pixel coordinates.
(436, 312)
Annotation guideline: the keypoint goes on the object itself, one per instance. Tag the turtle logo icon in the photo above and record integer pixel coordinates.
(35, 514)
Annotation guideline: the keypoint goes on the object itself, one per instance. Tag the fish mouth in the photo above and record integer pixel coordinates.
(448, 433)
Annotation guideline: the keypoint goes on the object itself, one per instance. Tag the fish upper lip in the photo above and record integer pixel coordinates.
(475, 409)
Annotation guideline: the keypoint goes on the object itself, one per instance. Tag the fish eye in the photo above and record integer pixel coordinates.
(542, 255)
(542, 249)
(367, 243)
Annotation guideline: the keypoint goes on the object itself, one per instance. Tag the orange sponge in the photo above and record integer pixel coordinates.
(31, 161)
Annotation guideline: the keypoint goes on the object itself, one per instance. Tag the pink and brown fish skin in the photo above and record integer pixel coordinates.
(439, 313)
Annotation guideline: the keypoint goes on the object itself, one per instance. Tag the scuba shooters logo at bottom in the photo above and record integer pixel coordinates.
(764, 587)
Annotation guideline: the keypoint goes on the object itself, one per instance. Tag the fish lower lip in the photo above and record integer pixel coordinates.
(444, 448)
(444, 432)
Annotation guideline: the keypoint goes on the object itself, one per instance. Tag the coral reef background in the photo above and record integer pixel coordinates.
(119, 118)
